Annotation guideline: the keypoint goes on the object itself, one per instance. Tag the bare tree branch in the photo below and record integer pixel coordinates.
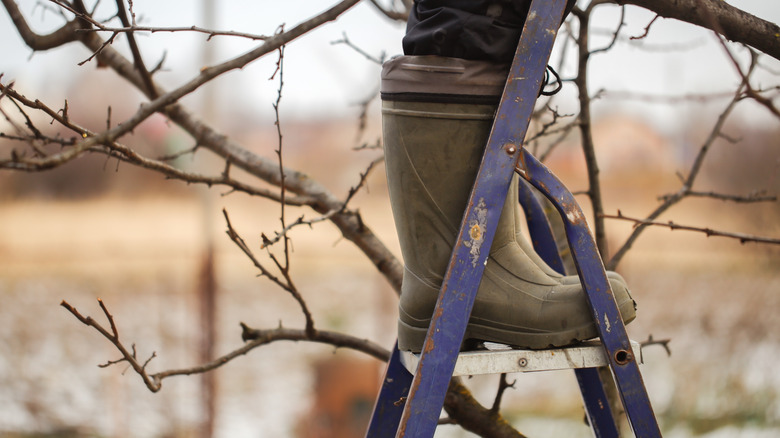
(503, 385)
(615, 35)
(735, 24)
(36, 42)
(207, 74)
(253, 338)
(715, 25)
(131, 358)
(137, 58)
(150, 29)
(261, 337)
(322, 201)
(581, 81)
(285, 283)
(470, 415)
(120, 151)
(749, 90)
(295, 187)
(459, 403)
(687, 186)
(327, 216)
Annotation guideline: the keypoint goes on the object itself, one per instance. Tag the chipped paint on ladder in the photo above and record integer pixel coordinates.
(477, 225)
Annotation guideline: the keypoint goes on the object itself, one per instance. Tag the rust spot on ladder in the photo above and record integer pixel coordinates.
(475, 232)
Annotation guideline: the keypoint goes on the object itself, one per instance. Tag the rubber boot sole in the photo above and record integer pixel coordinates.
(412, 338)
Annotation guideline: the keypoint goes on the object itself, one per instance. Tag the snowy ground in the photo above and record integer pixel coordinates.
(718, 302)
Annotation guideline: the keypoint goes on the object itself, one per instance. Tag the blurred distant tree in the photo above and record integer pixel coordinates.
(38, 148)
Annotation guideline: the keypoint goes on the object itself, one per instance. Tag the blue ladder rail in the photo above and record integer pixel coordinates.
(415, 413)
(594, 395)
(612, 332)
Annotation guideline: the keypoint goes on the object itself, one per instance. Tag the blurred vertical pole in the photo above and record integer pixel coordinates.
(207, 285)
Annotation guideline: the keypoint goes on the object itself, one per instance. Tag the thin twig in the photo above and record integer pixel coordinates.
(284, 267)
(503, 385)
(702, 98)
(662, 342)
(327, 216)
(242, 245)
(643, 45)
(615, 35)
(743, 238)
(100, 49)
(137, 58)
(131, 27)
(282, 176)
(210, 32)
(364, 114)
(759, 196)
(369, 146)
(647, 29)
(392, 14)
(179, 154)
(285, 282)
(344, 40)
(151, 382)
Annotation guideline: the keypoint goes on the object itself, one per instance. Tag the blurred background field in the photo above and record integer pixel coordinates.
(80, 234)
(99, 229)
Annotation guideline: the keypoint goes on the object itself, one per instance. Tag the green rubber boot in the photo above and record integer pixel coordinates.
(435, 133)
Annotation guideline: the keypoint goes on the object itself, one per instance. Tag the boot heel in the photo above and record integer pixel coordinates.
(410, 338)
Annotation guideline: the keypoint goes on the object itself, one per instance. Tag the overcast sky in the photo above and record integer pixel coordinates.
(324, 78)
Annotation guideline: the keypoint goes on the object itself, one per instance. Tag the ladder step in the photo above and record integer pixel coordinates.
(499, 358)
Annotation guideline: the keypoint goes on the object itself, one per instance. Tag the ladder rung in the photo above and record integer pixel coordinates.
(504, 359)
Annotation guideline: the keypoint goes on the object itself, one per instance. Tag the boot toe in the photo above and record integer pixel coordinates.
(512, 311)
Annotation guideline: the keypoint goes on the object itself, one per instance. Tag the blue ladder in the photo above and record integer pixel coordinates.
(409, 404)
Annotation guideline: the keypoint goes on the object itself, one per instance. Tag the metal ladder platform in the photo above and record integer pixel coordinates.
(500, 359)
(414, 386)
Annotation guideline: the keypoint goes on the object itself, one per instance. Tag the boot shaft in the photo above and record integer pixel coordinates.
(437, 114)
(434, 141)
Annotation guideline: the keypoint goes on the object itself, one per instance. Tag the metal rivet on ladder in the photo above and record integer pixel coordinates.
(523, 362)
(510, 148)
(623, 357)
